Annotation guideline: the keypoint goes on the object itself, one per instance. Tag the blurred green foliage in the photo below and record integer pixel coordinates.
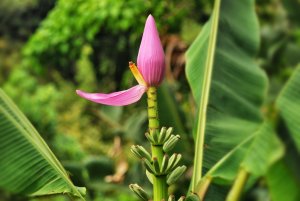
(86, 45)
(73, 24)
(49, 48)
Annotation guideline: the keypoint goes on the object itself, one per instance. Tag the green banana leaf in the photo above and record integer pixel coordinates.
(282, 183)
(255, 154)
(283, 179)
(229, 90)
(288, 104)
(27, 165)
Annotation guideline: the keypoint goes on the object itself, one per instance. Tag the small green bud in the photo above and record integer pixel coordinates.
(175, 174)
(149, 176)
(156, 165)
(164, 163)
(168, 133)
(149, 138)
(148, 166)
(135, 152)
(170, 143)
(162, 135)
(143, 152)
(174, 162)
(171, 161)
(139, 191)
(155, 134)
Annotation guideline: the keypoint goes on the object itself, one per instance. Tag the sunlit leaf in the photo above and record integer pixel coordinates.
(282, 184)
(227, 85)
(27, 165)
(255, 154)
(288, 104)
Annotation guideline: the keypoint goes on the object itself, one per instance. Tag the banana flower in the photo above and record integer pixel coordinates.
(149, 71)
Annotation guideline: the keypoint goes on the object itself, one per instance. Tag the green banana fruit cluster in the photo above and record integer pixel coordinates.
(168, 166)
(162, 137)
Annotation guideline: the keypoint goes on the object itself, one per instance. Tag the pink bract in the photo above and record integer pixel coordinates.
(151, 57)
(119, 98)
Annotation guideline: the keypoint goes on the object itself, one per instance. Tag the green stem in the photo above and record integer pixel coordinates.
(238, 186)
(157, 152)
(203, 186)
(160, 187)
(152, 110)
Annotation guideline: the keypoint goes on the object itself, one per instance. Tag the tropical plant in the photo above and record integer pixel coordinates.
(27, 164)
(245, 141)
(230, 89)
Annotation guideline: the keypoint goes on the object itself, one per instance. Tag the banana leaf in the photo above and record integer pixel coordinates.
(27, 165)
(288, 104)
(229, 90)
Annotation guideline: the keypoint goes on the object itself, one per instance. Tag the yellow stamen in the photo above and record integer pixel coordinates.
(136, 73)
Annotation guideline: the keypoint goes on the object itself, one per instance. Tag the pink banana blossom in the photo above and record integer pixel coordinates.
(150, 70)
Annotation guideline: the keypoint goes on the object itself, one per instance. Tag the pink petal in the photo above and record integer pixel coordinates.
(151, 57)
(119, 98)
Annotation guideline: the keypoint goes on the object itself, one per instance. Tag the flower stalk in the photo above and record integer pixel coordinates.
(152, 110)
(160, 186)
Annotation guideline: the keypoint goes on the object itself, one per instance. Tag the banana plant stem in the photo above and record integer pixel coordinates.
(203, 187)
(238, 186)
(160, 187)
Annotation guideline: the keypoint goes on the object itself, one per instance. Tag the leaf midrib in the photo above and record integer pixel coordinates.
(197, 174)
